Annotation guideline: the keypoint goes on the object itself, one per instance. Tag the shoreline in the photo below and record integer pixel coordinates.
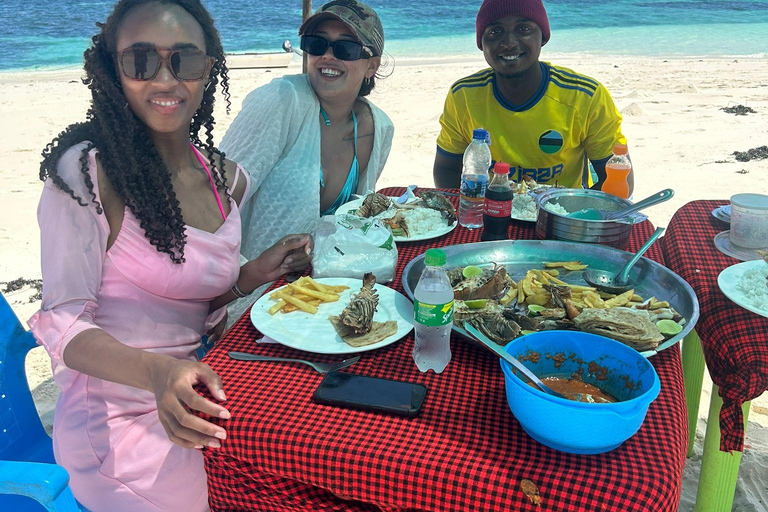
(66, 71)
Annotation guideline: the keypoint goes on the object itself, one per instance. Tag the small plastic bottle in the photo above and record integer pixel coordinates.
(433, 315)
(474, 179)
(617, 171)
(497, 215)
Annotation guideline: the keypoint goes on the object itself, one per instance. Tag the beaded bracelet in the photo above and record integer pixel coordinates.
(238, 292)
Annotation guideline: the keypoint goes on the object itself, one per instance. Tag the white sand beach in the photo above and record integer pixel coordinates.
(678, 137)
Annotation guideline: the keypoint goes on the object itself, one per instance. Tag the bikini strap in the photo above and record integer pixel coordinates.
(210, 178)
(354, 120)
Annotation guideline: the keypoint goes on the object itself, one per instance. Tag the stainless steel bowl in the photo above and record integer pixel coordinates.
(554, 226)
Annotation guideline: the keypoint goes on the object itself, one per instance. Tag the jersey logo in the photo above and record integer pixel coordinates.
(550, 142)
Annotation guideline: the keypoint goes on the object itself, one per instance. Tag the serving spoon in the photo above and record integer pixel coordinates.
(500, 352)
(608, 282)
(595, 214)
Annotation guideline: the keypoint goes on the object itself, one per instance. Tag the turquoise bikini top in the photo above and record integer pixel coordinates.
(352, 178)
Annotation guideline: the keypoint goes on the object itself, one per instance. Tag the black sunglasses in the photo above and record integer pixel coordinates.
(342, 48)
(186, 65)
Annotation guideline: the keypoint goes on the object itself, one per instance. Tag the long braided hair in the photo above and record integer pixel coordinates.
(126, 151)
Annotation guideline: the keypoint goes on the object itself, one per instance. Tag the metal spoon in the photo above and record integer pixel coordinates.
(499, 351)
(619, 283)
(594, 214)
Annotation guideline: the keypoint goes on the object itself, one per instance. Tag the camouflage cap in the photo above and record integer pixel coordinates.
(359, 17)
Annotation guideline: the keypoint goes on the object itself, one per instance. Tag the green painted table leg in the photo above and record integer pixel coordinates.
(719, 470)
(693, 375)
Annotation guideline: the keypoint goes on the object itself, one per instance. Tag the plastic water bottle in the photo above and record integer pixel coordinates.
(474, 179)
(433, 315)
(617, 170)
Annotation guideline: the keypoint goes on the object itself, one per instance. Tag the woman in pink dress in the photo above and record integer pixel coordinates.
(140, 226)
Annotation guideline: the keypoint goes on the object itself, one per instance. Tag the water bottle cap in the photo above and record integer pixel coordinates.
(620, 149)
(435, 258)
(480, 134)
(501, 168)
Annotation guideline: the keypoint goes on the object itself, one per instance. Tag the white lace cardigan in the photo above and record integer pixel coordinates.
(276, 139)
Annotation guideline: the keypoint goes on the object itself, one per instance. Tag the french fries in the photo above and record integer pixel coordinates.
(567, 265)
(305, 295)
(530, 290)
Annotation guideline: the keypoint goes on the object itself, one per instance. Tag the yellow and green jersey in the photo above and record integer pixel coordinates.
(569, 120)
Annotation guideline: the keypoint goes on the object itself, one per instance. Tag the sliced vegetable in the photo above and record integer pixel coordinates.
(471, 271)
(669, 327)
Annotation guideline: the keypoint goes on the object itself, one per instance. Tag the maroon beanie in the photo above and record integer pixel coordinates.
(492, 10)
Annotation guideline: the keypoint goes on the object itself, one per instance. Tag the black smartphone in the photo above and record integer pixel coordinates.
(370, 393)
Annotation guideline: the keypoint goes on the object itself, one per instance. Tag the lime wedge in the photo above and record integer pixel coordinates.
(669, 327)
(525, 331)
(471, 271)
(476, 303)
(535, 308)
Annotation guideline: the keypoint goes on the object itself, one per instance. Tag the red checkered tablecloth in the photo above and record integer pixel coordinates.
(734, 340)
(465, 452)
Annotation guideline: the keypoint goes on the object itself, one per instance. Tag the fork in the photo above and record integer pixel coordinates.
(319, 367)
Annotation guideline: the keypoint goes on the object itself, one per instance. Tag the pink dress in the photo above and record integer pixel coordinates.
(108, 436)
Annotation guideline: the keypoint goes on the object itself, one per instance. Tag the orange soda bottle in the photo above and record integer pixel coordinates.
(617, 170)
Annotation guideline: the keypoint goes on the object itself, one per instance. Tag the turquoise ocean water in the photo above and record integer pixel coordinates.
(47, 34)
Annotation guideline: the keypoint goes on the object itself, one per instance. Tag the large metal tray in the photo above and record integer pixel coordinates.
(519, 256)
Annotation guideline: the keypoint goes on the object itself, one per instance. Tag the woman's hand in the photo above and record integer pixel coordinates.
(172, 383)
(214, 333)
(292, 253)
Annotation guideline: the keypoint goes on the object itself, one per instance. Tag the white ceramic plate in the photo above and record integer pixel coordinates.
(730, 277)
(723, 244)
(439, 230)
(314, 333)
(723, 213)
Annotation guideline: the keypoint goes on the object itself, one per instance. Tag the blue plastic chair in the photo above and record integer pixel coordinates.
(30, 479)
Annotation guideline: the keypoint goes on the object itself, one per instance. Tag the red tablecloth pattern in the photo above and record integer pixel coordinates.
(734, 340)
(464, 452)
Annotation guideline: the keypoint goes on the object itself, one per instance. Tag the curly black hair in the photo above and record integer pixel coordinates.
(122, 140)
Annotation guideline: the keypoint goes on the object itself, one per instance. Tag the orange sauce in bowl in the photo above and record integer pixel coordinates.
(577, 390)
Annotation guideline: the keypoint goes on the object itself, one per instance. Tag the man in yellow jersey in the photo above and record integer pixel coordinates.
(546, 121)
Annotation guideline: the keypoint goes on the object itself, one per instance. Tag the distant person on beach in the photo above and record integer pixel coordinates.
(546, 121)
(140, 227)
(310, 141)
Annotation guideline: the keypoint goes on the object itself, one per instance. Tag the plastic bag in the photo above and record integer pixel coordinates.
(350, 246)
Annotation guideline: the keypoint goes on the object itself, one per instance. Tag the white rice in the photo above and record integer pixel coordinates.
(556, 208)
(422, 221)
(755, 287)
(524, 207)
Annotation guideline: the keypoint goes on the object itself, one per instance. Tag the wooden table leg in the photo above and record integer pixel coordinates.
(693, 375)
(719, 470)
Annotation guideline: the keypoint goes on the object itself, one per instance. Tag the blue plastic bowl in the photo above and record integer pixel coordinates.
(577, 427)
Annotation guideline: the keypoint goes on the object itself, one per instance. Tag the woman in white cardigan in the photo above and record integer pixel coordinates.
(311, 141)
